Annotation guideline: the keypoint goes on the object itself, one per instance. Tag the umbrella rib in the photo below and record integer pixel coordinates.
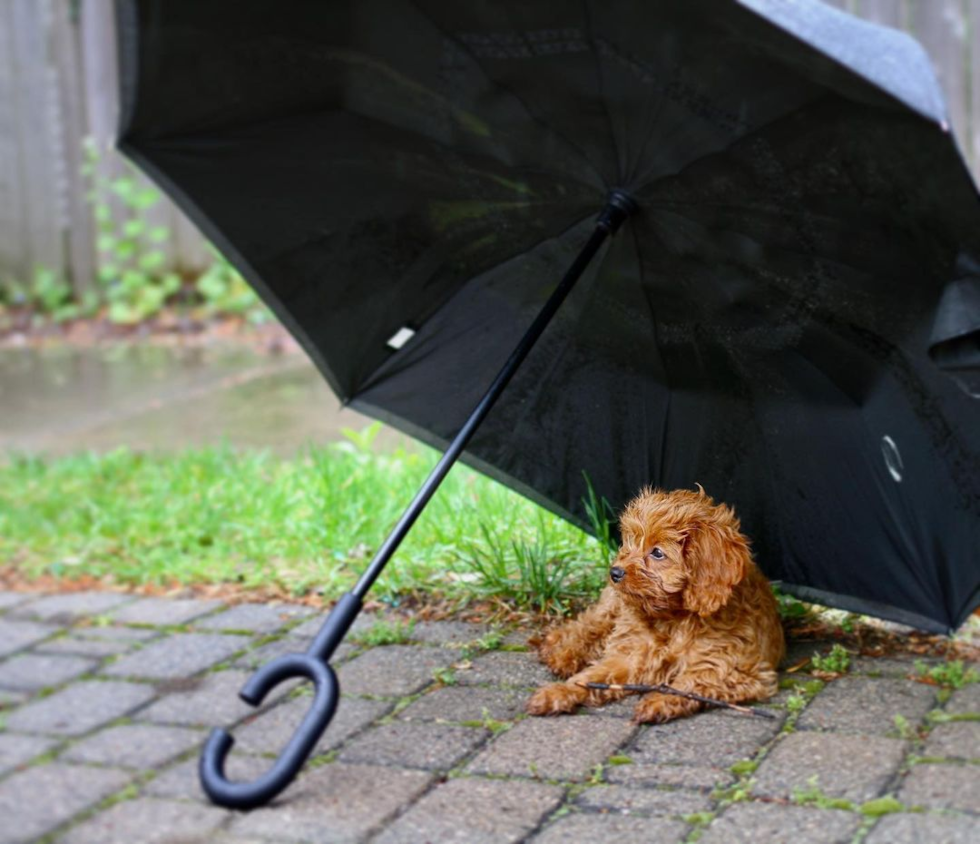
(517, 97)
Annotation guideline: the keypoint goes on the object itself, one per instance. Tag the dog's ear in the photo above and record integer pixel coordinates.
(717, 557)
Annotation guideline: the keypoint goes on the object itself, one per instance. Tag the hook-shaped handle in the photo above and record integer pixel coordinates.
(248, 795)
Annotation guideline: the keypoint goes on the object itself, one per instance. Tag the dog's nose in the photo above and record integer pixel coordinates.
(617, 574)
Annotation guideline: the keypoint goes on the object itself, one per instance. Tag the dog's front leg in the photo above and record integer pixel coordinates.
(572, 646)
(557, 698)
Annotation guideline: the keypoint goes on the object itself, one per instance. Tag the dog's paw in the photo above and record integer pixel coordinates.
(554, 699)
(554, 650)
(656, 709)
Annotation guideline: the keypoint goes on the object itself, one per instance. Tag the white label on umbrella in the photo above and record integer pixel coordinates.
(401, 337)
(893, 459)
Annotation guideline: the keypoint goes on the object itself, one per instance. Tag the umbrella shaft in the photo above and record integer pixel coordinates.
(615, 212)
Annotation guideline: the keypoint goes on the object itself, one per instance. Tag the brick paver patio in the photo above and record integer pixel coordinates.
(106, 698)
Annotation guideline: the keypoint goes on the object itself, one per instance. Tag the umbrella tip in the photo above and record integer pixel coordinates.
(619, 206)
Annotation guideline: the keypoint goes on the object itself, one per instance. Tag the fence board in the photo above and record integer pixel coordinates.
(80, 270)
(37, 123)
(887, 12)
(12, 230)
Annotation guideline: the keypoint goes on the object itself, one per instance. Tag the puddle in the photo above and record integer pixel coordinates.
(59, 400)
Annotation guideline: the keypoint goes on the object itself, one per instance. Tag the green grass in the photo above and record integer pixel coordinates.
(309, 523)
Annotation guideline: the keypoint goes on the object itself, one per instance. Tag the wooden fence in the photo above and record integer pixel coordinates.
(58, 86)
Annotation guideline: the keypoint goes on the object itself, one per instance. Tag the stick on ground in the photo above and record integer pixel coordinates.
(670, 690)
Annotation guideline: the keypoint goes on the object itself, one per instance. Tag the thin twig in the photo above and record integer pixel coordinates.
(670, 690)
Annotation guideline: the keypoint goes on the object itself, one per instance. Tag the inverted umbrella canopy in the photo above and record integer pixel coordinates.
(791, 317)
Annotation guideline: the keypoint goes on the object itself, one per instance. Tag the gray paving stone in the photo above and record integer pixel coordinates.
(336, 803)
(164, 611)
(68, 607)
(366, 620)
(142, 746)
(957, 740)
(474, 811)
(256, 658)
(582, 828)
(85, 646)
(942, 787)
(748, 823)
(877, 666)
(32, 672)
(518, 639)
(211, 701)
(9, 700)
(866, 705)
(553, 748)
(16, 749)
(117, 633)
(925, 829)
(36, 801)
(393, 670)
(149, 821)
(453, 633)
(715, 739)
(179, 655)
(269, 732)
(434, 747)
(506, 668)
(8, 600)
(181, 781)
(964, 700)
(465, 703)
(256, 618)
(80, 707)
(17, 635)
(644, 801)
(855, 767)
(681, 776)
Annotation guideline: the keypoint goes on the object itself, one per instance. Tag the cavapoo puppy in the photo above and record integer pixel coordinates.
(685, 606)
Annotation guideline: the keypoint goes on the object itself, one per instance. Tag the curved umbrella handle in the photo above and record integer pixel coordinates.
(248, 795)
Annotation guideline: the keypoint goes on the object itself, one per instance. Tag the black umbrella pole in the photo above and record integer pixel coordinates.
(313, 664)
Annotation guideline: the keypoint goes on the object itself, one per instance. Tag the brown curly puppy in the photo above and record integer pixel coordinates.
(687, 606)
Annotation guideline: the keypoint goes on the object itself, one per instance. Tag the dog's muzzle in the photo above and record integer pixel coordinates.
(617, 574)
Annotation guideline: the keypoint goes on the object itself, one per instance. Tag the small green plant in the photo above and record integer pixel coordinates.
(790, 609)
(880, 806)
(224, 291)
(795, 703)
(813, 796)
(489, 641)
(619, 759)
(745, 766)
(541, 573)
(904, 729)
(602, 519)
(131, 257)
(488, 723)
(445, 676)
(735, 793)
(951, 675)
(384, 632)
(835, 662)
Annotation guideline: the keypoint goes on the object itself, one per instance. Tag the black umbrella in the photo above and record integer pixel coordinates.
(790, 314)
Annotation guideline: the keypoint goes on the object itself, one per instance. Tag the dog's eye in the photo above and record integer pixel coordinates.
(657, 553)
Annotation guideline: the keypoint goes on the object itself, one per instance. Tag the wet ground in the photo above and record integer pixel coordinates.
(59, 400)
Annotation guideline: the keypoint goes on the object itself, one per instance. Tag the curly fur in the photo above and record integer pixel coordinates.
(702, 619)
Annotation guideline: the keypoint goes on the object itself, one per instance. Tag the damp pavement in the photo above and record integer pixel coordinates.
(107, 698)
(64, 399)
